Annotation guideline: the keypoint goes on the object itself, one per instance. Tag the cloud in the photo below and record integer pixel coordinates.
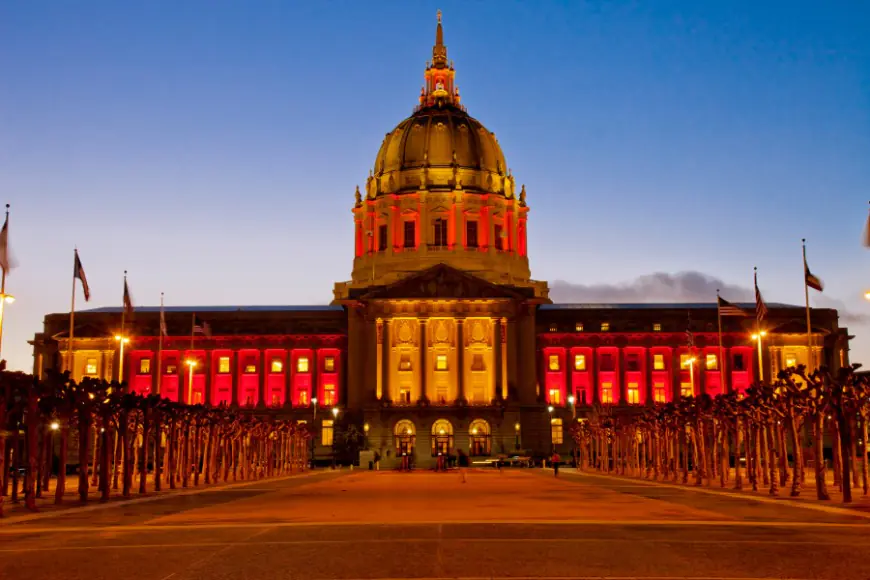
(657, 287)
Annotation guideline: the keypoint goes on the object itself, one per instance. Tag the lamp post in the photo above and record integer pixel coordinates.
(552, 442)
(191, 364)
(54, 426)
(313, 428)
(4, 299)
(334, 420)
(758, 337)
(366, 436)
(122, 340)
(571, 401)
(690, 362)
(517, 434)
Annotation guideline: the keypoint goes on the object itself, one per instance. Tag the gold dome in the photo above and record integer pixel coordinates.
(440, 146)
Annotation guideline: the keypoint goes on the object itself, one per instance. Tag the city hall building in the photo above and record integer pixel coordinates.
(441, 340)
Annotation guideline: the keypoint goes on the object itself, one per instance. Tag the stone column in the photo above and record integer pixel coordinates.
(261, 380)
(494, 368)
(648, 362)
(207, 384)
(385, 366)
(154, 374)
(675, 374)
(379, 359)
(460, 359)
(620, 379)
(702, 373)
(593, 360)
(234, 372)
(504, 356)
(424, 365)
(288, 383)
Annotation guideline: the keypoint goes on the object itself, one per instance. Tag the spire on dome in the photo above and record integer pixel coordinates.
(439, 89)
(439, 51)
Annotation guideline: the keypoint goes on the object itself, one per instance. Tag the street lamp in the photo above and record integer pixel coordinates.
(122, 340)
(366, 435)
(690, 362)
(517, 431)
(571, 401)
(552, 443)
(191, 364)
(54, 426)
(758, 337)
(4, 299)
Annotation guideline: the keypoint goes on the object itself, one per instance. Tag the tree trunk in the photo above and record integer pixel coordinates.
(738, 443)
(125, 453)
(60, 488)
(84, 454)
(95, 456)
(819, 431)
(797, 455)
(119, 457)
(158, 457)
(32, 439)
(771, 456)
(864, 470)
(105, 459)
(845, 436)
(171, 446)
(146, 433)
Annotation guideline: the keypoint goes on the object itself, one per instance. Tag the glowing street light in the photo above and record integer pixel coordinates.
(54, 426)
(335, 412)
(4, 299)
(758, 337)
(867, 295)
(690, 362)
(571, 401)
(122, 340)
(191, 364)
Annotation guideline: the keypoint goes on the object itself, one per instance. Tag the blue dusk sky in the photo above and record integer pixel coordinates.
(212, 147)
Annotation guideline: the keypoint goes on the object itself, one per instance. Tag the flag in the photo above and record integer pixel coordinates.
(203, 329)
(728, 309)
(128, 301)
(79, 272)
(760, 306)
(811, 279)
(6, 262)
(867, 233)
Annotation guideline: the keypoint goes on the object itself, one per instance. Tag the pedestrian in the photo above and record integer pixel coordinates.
(555, 460)
(463, 463)
(377, 461)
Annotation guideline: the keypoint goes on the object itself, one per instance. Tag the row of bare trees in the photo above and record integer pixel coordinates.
(124, 440)
(767, 437)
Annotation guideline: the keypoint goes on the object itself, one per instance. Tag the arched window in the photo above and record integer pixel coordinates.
(442, 438)
(405, 435)
(481, 437)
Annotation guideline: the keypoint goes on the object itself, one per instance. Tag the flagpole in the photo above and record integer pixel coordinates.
(758, 328)
(72, 317)
(190, 360)
(3, 283)
(807, 297)
(160, 346)
(721, 358)
(123, 336)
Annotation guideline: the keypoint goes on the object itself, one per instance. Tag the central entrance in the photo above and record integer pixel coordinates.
(442, 438)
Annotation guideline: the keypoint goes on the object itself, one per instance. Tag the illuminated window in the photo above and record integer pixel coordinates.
(739, 363)
(658, 362)
(686, 390)
(144, 366)
(405, 362)
(556, 431)
(91, 366)
(441, 362)
(498, 233)
(477, 363)
(471, 234)
(633, 393)
(382, 237)
(302, 364)
(659, 392)
(326, 433)
(553, 328)
(277, 365)
(712, 362)
(578, 327)
(684, 361)
(657, 327)
(607, 392)
(328, 395)
(579, 362)
(329, 364)
(554, 362)
(405, 395)
(302, 398)
(410, 234)
(250, 369)
(170, 369)
(224, 364)
(790, 360)
(555, 397)
(440, 237)
(605, 327)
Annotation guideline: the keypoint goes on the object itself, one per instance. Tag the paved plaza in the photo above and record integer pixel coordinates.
(517, 524)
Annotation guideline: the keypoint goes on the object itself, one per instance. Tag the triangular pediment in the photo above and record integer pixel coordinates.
(441, 282)
(86, 330)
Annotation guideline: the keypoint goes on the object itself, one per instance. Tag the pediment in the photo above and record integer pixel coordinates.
(86, 330)
(442, 282)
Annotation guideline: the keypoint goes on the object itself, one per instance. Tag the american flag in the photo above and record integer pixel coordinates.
(128, 300)
(728, 309)
(79, 272)
(760, 306)
(6, 261)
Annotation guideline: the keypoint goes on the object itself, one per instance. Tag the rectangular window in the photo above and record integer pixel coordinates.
(471, 234)
(684, 361)
(498, 233)
(302, 398)
(145, 366)
(632, 361)
(326, 433)
(659, 392)
(329, 364)
(578, 327)
(170, 369)
(686, 390)
(410, 231)
(658, 362)
(405, 362)
(790, 360)
(328, 395)
(91, 366)
(553, 328)
(440, 237)
(633, 393)
(224, 364)
(712, 362)
(556, 431)
(477, 363)
(555, 396)
(441, 362)
(739, 364)
(607, 393)
(405, 395)
(605, 327)
(554, 362)
(302, 364)
(277, 365)
(606, 362)
(250, 369)
(382, 237)
(657, 327)
(579, 362)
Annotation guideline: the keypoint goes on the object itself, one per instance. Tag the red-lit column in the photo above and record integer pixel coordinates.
(725, 369)
(648, 368)
(702, 373)
(208, 385)
(235, 378)
(567, 377)
(261, 379)
(460, 358)
(675, 374)
(424, 367)
(288, 390)
(315, 376)
(596, 395)
(620, 378)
